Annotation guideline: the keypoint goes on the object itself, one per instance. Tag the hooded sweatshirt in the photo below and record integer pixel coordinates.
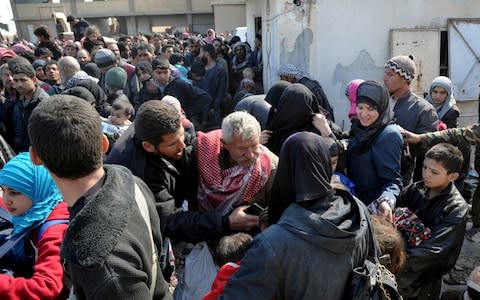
(320, 237)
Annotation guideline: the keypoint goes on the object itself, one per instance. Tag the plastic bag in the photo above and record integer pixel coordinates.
(200, 271)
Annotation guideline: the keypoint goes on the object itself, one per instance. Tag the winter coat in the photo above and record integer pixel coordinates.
(308, 254)
(170, 186)
(446, 216)
(192, 99)
(47, 280)
(21, 114)
(376, 172)
(107, 250)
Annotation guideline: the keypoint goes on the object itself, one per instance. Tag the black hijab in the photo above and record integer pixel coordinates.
(295, 110)
(373, 94)
(303, 173)
(275, 92)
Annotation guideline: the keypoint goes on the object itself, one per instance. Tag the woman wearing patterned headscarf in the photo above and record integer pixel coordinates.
(32, 199)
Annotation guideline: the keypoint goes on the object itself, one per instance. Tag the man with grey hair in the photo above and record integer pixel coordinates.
(234, 169)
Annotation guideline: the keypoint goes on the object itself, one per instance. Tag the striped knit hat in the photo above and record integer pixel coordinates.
(402, 65)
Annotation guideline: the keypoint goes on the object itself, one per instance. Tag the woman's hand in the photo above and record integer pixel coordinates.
(321, 124)
(265, 136)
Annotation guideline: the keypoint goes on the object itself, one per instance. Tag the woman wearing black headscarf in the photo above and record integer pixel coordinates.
(374, 150)
(319, 234)
(294, 113)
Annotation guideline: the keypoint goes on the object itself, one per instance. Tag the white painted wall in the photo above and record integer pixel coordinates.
(344, 40)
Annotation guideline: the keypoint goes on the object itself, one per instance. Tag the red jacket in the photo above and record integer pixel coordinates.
(223, 275)
(47, 279)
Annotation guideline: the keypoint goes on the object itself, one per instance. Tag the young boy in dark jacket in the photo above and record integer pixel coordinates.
(110, 247)
(442, 209)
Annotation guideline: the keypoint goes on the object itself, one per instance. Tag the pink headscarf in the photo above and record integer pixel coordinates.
(351, 93)
(210, 36)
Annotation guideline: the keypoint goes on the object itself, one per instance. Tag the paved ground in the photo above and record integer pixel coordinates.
(468, 260)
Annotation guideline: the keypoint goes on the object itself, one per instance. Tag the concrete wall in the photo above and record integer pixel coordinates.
(337, 41)
(229, 16)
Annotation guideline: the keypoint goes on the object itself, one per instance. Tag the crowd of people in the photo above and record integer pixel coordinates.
(159, 167)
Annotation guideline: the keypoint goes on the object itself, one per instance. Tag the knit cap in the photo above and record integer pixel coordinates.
(116, 78)
(38, 63)
(104, 58)
(402, 65)
(289, 70)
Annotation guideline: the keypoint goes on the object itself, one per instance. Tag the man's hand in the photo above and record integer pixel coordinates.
(240, 221)
(385, 211)
(321, 123)
(265, 136)
(410, 137)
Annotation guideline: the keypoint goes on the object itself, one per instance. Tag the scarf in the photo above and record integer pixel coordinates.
(34, 182)
(443, 108)
(295, 111)
(219, 190)
(303, 173)
(80, 75)
(237, 65)
(372, 93)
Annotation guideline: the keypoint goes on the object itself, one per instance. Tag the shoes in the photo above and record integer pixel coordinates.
(473, 234)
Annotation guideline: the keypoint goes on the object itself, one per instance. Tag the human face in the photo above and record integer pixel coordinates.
(334, 160)
(144, 55)
(172, 145)
(70, 50)
(83, 57)
(439, 95)
(168, 52)
(7, 78)
(240, 52)
(435, 175)
(92, 36)
(393, 82)
(367, 114)
(118, 117)
(216, 45)
(161, 75)
(15, 202)
(52, 73)
(244, 152)
(194, 49)
(114, 49)
(39, 73)
(24, 85)
(290, 79)
(143, 76)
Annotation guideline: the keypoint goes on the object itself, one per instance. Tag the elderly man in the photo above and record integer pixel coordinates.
(154, 150)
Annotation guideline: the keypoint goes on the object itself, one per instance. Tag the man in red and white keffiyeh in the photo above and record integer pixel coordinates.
(234, 169)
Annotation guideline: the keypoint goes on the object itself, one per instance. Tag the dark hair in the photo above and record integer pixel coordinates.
(20, 65)
(124, 106)
(49, 63)
(165, 47)
(66, 134)
(210, 50)
(391, 242)
(122, 47)
(39, 51)
(447, 155)
(154, 120)
(176, 58)
(198, 68)
(28, 55)
(148, 47)
(42, 31)
(193, 40)
(232, 248)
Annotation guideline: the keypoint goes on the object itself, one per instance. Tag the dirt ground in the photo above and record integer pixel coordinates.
(454, 282)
